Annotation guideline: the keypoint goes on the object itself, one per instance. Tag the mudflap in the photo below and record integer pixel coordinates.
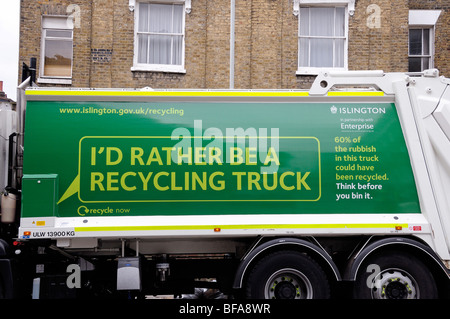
(6, 279)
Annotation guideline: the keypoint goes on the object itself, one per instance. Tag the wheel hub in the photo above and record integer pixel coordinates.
(395, 284)
(396, 290)
(287, 288)
(288, 284)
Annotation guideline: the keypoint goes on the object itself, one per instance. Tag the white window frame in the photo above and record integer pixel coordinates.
(348, 6)
(57, 23)
(430, 55)
(169, 68)
(420, 20)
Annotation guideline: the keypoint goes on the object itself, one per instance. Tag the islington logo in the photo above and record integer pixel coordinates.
(333, 109)
(357, 110)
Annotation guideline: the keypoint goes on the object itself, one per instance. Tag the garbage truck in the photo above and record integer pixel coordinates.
(260, 194)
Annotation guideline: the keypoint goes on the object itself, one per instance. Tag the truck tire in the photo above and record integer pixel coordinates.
(287, 275)
(394, 275)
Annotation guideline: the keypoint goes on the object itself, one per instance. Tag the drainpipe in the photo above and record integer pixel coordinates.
(232, 36)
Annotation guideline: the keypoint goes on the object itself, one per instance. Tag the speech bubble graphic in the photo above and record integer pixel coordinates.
(157, 169)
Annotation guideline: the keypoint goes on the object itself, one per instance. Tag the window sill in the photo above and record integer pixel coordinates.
(316, 71)
(158, 68)
(54, 81)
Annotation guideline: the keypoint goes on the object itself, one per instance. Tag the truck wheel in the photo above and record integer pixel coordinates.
(395, 275)
(287, 275)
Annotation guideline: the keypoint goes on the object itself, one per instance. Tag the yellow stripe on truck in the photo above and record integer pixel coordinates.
(192, 93)
(161, 93)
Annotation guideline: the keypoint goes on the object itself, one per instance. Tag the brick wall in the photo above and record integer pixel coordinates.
(30, 35)
(442, 32)
(265, 42)
(383, 45)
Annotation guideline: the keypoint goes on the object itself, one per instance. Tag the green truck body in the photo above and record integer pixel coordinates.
(204, 158)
